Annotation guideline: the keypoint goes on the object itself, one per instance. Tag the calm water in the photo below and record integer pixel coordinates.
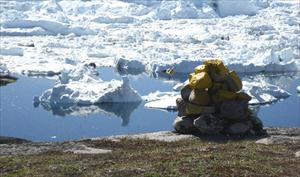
(20, 118)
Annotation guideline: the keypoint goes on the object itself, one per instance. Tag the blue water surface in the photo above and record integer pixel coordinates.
(20, 118)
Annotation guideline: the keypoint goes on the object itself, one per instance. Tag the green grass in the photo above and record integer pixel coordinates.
(152, 158)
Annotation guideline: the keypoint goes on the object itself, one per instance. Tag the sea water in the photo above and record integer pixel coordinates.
(19, 117)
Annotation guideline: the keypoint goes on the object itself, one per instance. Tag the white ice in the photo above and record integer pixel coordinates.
(15, 51)
(161, 100)
(81, 87)
(251, 36)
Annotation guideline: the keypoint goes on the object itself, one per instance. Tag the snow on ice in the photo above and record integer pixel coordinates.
(81, 87)
(145, 36)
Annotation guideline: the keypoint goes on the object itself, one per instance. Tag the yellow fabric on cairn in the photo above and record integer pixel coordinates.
(237, 80)
(200, 80)
(216, 66)
(201, 68)
(216, 77)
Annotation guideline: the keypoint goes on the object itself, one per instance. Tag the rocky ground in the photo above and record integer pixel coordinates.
(155, 154)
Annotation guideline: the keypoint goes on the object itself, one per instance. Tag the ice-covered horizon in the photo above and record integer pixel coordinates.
(49, 37)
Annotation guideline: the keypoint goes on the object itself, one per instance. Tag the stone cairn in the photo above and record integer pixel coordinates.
(212, 103)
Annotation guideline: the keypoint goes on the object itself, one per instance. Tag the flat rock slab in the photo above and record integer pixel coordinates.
(283, 131)
(15, 146)
(281, 136)
(297, 154)
(279, 139)
(83, 149)
(37, 148)
(165, 136)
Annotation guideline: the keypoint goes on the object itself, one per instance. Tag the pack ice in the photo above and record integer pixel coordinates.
(140, 36)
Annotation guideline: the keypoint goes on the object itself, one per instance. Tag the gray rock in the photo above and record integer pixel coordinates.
(184, 125)
(230, 84)
(257, 124)
(199, 97)
(12, 140)
(186, 108)
(208, 124)
(193, 109)
(237, 129)
(297, 154)
(283, 131)
(83, 149)
(185, 92)
(181, 107)
(279, 139)
(234, 110)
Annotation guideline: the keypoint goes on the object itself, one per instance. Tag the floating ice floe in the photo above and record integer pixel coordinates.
(161, 100)
(14, 51)
(82, 88)
(236, 7)
(261, 93)
(52, 27)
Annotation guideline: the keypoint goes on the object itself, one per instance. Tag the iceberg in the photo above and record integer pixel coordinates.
(263, 93)
(161, 100)
(82, 87)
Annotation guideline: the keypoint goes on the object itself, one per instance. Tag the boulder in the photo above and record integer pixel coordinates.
(234, 110)
(184, 125)
(257, 123)
(181, 105)
(185, 92)
(208, 124)
(237, 129)
(186, 108)
(193, 109)
(199, 97)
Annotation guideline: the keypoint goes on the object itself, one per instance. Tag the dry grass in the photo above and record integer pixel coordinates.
(152, 158)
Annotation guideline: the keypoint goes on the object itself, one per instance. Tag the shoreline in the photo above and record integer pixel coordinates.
(275, 135)
(162, 153)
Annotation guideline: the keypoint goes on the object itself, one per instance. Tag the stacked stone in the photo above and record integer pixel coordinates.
(212, 103)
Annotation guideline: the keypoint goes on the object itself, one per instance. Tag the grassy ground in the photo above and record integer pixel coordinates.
(141, 157)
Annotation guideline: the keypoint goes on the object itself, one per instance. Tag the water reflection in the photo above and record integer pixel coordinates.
(121, 110)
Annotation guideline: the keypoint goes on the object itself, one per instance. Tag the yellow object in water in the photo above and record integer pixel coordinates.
(200, 80)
